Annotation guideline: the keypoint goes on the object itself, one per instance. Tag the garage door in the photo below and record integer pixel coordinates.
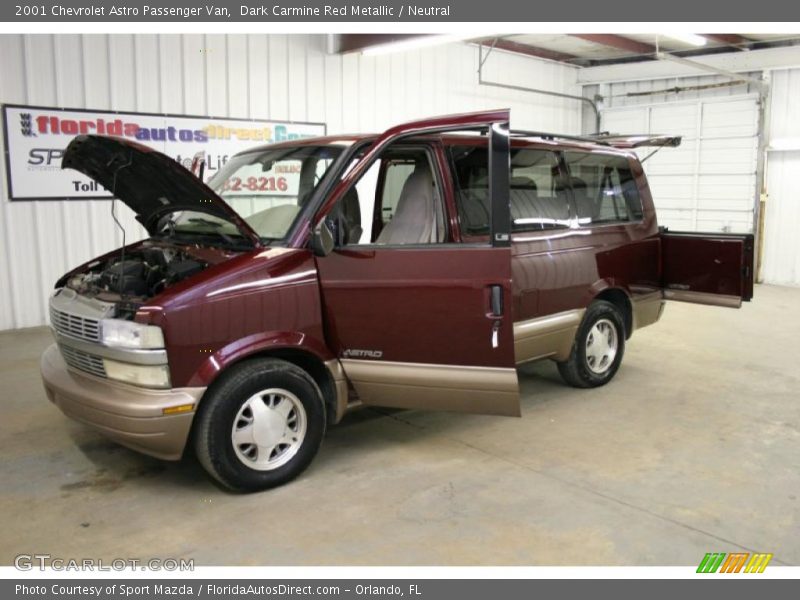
(709, 182)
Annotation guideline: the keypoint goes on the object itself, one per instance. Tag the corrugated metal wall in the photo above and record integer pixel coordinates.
(257, 76)
(781, 262)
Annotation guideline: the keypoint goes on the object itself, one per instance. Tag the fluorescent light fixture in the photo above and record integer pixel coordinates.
(424, 41)
(688, 38)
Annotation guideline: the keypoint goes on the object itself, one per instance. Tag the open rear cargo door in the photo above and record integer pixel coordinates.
(707, 268)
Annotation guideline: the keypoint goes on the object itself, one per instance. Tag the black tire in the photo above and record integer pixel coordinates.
(223, 402)
(577, 370)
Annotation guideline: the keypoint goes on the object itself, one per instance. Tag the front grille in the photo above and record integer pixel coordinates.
(82, 328)
(83, 361)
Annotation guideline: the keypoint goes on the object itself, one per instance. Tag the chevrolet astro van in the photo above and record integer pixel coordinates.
(412, 269)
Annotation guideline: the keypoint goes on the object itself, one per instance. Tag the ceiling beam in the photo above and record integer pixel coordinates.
(355, 42)
(694, 64)
(738, 62)
(617, 41)
(526, 49)
(733, 39)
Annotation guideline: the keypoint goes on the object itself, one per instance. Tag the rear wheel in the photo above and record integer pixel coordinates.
(260, 426)
(598, 347)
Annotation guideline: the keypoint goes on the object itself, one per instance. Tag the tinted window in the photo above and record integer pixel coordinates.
(538, 197)
(604, 189)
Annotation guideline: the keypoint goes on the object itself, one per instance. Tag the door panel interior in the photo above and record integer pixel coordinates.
(707, 268)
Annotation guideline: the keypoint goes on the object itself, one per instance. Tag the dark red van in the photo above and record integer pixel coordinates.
(414, 269)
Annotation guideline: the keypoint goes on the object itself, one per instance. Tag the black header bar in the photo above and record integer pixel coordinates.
(430, 11)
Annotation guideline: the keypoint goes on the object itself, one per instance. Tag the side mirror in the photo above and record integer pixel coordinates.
(322, 241)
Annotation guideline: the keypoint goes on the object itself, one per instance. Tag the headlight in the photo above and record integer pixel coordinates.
(156, 376)
(127, 334)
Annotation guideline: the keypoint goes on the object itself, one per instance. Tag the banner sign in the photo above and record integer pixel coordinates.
(36, 137)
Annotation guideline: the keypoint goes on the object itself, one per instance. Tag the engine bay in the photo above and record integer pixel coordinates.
(130, 278)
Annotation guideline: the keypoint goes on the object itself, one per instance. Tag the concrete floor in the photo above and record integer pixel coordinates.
(694, 447)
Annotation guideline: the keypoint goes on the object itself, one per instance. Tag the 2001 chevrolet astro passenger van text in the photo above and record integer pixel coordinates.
(414, 269)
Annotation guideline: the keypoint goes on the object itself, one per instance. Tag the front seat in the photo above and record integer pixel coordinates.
(415, 218)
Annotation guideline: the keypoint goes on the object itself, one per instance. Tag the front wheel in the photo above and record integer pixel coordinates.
(598, 347)
(260, 426)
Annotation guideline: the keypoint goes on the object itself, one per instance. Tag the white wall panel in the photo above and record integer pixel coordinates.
(258, 76)
(781, 260)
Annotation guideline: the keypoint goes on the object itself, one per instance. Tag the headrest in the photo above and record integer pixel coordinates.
(420, 179)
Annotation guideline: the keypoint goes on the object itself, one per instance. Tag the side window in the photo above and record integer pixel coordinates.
(538, 194)
(603, 188)
(397, 201)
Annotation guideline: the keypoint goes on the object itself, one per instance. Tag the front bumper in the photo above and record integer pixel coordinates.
(131, 416)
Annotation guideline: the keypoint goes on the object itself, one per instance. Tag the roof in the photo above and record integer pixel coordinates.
(540, 140)
(323, 140)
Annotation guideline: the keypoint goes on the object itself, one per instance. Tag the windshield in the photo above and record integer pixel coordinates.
(195, 227)
(267, 188)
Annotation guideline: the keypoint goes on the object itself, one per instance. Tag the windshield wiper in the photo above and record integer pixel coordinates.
(209, 238)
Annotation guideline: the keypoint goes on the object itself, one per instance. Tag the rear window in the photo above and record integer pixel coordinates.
(603, 187)
(538, 195)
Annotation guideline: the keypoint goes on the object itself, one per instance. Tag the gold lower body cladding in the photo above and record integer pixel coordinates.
(483, 390)
(546, 337)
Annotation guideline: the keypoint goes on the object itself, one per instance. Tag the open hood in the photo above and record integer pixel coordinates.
(149, 182)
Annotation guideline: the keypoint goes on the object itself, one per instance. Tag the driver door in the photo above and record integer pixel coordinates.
(418, 319)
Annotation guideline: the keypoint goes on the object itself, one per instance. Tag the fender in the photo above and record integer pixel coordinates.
(254, 344)
(610, 290)
(598, 287)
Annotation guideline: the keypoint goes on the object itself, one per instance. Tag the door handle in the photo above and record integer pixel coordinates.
(496, 300)
(496, 312)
